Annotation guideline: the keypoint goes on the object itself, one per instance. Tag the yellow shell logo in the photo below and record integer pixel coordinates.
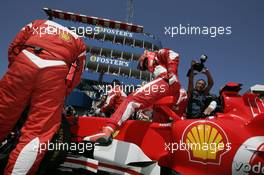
(65, 36)
(206, 142)
(93, 58)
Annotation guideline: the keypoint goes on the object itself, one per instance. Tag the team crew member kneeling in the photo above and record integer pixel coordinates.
(164, 65)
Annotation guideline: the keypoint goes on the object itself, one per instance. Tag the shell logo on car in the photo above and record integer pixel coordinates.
(206, 142)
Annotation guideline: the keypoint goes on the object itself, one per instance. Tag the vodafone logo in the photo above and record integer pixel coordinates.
(249, 158)
(246, 168)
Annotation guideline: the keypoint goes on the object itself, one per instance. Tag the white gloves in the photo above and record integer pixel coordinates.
(210, 108)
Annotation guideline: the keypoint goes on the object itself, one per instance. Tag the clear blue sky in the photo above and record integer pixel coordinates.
(237, 57)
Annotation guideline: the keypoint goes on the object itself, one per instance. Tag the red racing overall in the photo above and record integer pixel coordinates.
(40, 57)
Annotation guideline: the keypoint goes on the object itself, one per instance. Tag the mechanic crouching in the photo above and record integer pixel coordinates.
(115, 97)
(200, 102)
(45, 63)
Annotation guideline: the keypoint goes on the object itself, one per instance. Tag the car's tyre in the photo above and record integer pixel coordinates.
(168, 171)
(54, 158)
(51, 160)
(4, 154)
(9, 143)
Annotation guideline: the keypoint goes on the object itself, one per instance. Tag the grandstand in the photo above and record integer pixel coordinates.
(113, 50)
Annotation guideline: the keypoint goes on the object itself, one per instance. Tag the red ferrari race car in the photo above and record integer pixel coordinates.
(231, 142)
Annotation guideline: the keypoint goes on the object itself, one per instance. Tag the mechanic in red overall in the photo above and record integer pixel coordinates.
(115, 97)
(45, 63)
(164, 65)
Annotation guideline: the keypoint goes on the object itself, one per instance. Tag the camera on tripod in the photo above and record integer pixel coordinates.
(198, 66)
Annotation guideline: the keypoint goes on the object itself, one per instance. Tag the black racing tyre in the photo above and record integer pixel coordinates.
(4, 154)
(168, 171)
(54, 158)
(10, 142)
(51, 160)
